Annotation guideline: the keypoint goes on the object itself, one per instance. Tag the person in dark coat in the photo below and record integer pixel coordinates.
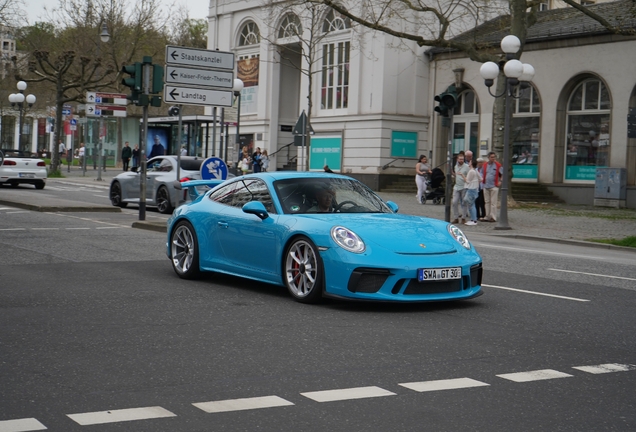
(126, 154)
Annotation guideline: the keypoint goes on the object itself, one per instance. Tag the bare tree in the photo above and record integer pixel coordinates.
(12, 13)
(70, 57)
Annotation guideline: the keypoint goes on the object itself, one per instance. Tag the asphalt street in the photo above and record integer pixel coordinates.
(97, 333)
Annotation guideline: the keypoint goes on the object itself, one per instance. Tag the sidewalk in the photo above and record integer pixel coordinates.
(553, 222)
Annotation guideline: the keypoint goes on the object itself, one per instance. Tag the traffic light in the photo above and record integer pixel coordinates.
(447, 101)
(173, 111)
(157, 78)
(134, 81)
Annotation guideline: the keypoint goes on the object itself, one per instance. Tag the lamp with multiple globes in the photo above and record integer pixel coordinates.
(17, 101)
(515, 72)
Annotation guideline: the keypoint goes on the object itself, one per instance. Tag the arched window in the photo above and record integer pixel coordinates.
(466, 123)
(334, 90)
(335, 21)
(524, 133)
(249, 34)
(588, 138)
(290, 26)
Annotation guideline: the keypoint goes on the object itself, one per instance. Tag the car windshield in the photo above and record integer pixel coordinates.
(327, 195)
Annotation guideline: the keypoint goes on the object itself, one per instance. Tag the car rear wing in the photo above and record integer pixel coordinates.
(192, 186)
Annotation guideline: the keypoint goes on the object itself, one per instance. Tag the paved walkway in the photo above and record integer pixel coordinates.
(548, 222)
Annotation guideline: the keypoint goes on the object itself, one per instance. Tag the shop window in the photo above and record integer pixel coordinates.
(588, 139)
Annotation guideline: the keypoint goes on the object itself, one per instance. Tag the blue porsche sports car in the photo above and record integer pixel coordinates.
(319, 235)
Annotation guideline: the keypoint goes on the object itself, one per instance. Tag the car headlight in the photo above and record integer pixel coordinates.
(347, 239)
(459, 236)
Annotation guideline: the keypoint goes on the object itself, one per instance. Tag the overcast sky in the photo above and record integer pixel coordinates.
(198, 8)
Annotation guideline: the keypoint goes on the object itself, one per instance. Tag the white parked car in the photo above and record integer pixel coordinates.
(19, 167)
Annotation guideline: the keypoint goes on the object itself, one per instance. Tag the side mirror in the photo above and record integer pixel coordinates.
(393, 206)
(256, 208)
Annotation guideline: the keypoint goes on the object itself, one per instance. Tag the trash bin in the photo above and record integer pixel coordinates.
(610, 189)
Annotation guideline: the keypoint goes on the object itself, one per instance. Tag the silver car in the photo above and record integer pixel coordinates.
(161, 174)
(19, 167)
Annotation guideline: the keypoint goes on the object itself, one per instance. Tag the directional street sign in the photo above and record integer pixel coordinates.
(67, 109)
(105, 110)
(199, 77)
(106, 98)
(197, 96)
(199, 57)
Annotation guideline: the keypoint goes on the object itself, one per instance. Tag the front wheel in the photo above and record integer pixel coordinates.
(303, 271)
(184, 251)
(115, 195)
(163, 201)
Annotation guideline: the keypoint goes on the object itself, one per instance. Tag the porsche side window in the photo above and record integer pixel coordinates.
(224, 195)
(252, 190)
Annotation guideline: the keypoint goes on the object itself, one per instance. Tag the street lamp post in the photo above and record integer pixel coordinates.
(515, 72)
(237, 88)
(104, 36)
(17, 102)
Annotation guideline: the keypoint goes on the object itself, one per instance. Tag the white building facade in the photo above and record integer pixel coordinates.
(369, 91)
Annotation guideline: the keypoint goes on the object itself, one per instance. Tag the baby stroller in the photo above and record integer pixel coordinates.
(435, 188)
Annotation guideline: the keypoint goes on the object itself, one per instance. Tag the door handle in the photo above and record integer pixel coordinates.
(223, 224)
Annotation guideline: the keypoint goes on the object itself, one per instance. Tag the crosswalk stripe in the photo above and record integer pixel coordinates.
(21, 425)
(448, 384)
(538, 375)
(605, 368)
(346, 394)
(242, 404)
(121, 415)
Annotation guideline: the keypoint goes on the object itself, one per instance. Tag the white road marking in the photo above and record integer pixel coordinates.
(12, 229)
(17, 212)
(21, 425)
(605, 368)
(536, 293)
(346, 394)
(448, 384)
(114, 416)
(538, 375)
(101, 196)
(77, 228)
(592, 274)
(242, 404)
(112, 227)
(45, 229)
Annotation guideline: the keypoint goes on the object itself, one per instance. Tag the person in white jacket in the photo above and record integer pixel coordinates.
(471, 185)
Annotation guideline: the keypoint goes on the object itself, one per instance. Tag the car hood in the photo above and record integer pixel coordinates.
(402, 234)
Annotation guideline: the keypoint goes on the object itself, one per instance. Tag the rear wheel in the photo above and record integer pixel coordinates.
(115, 195)
(303, 271)
(14, 184)
(39, 185)
(163, 201)
(184, 251)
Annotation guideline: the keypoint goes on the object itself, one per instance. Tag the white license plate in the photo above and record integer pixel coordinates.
(424, 275)
(27, 175)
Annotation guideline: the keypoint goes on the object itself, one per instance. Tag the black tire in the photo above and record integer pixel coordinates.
(115, 195)
(164, 205)
(39, 185)
(184, 251)
(303, 272)
(14, 184)
(423, 200)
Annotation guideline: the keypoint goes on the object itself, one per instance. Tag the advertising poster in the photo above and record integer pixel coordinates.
(247, 70)
(157, 143)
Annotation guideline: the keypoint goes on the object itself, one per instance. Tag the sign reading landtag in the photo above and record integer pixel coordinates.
(199, 77)
(199, 57)
(197, 96)
(213, 169)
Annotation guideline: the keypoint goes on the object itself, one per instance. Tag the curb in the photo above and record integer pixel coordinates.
(568, 241)
(62, 209)
(151, 226)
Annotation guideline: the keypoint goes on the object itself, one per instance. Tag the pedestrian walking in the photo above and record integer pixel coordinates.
(492, 173)
(264, 161)
(459, 172)
(472, 181)
(480, 205)
(126, 154)
(61, 149)
(422, 177)
(135, 156)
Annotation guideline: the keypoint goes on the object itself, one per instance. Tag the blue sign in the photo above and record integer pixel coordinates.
(213, 168)
(66, 111)
(73, 122)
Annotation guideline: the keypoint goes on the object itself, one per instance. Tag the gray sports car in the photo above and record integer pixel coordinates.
(161, 174)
